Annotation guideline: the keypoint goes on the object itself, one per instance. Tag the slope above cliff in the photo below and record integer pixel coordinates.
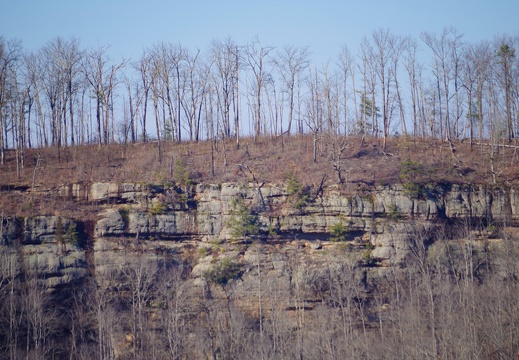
(350, 163)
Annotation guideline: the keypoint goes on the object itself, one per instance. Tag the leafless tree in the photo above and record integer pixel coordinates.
(196, 77)
(41, 317)
(291, 63)
(10, 313)
(413, 69)
(62, 63)
(444, 48)
(10, 52)
(143, 68)
(386, 52)
(140, 276)
(257, 60)
(178, 310)
(314, 109)
(102, 79)
(346, 62)
(226, 62)
(476, 70)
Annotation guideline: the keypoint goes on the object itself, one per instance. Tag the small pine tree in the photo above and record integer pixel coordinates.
(182, 176)
(338, 232)
(296, 191)
(243, 222)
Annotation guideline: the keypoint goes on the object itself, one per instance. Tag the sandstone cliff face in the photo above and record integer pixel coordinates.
(160, 220)
(269, 251)
(206, 210)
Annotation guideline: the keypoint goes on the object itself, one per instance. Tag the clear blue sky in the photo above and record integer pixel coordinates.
(129, 26)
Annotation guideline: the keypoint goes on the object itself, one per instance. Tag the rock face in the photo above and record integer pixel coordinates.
(158, 219)
(268, 251)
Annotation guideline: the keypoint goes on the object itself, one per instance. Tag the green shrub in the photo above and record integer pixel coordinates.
(410, 174)
(163, 180)
(27, 206)
(295, 190)
(182, 176)
(344, 246)
(72, 235)
(338, 232)
(124, 212)
(243, 222)
(393, 212)
(224, 271)
(409, 168)
(158, 209)
(413, 190)
(273, 229)
(368, 259)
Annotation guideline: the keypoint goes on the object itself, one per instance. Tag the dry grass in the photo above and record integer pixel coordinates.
(266, 160)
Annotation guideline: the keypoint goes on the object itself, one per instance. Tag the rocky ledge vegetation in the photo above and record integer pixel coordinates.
(261, 253)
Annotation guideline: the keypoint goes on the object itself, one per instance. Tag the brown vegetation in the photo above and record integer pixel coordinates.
(268, 159)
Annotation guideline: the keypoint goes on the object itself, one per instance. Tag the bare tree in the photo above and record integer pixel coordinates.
(177, 55)
(386, 53)
(314, 117)
(94, 68)
(41, 317)
(18, 114)
(291, 62)
(10, 311)
(178, 311)
(369, 110)
(347, 68)
(476, 71)
(64, 57)
(103, 79)
(112, 80)
(106, 312)
(196, 77)
(257, 60)
(444, 48)
(32, 73)
(225, 59)
(413, 69)
(135, 99)
(143, 68)
(167, 65)
(10, 52)
(140, 276)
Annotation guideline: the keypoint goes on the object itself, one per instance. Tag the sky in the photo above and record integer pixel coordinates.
(130, 26)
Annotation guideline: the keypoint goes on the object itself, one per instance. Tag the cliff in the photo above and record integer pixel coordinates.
(162, 218)
(251, 237)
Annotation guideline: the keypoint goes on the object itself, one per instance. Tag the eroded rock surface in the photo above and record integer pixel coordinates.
(157, 221)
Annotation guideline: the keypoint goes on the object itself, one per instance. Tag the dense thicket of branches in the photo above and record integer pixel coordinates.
(458, 301)
(436, 86)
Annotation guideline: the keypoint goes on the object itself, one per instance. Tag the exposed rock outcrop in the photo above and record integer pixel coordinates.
(158, 219)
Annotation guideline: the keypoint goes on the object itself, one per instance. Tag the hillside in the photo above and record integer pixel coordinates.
(268, 160)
